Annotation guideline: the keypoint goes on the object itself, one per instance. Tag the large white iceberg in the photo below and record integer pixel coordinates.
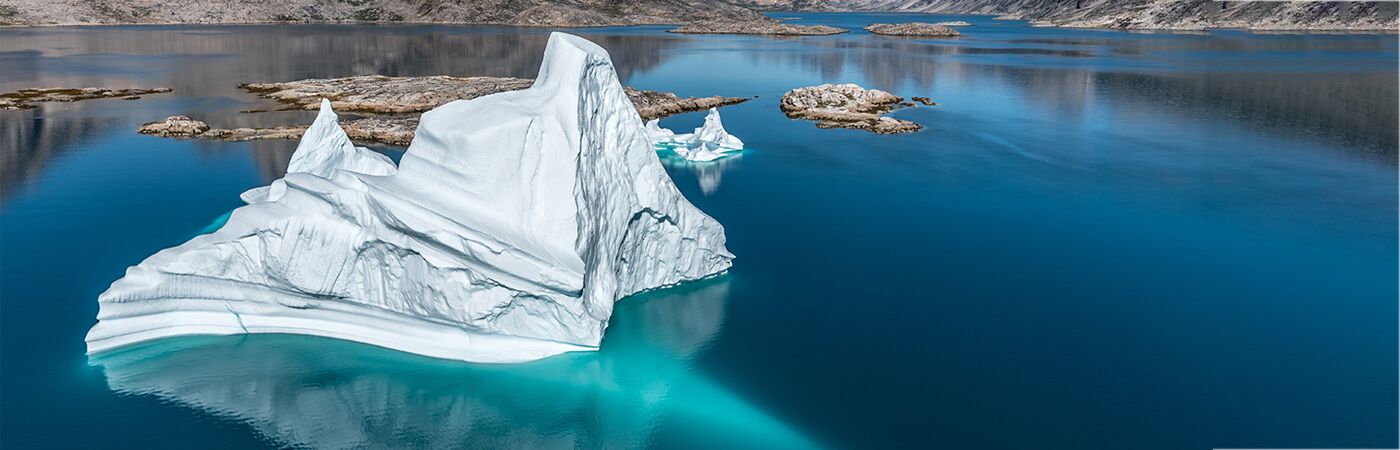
(707, 143)
(512, 224)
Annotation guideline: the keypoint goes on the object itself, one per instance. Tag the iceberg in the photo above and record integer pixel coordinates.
(511, 226)
(707, 143)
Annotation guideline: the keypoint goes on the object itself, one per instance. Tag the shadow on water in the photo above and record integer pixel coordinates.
(305, 391)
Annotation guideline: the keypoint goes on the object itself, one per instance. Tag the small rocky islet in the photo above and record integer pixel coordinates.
(912, 29)
(850, 106)
(770, 27)
(26, 98)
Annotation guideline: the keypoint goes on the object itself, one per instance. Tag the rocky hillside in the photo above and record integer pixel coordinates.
(552, 13)
(1135, 14)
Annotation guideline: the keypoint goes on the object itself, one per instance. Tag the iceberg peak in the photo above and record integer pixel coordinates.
(510, 227)
(707, 143)
(326, 148)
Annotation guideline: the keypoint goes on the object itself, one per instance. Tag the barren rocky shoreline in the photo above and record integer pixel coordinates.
(912, 29)
(395, 103)
(758, 27)
(26, 98)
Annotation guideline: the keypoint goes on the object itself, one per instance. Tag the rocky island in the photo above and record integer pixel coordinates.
(848, 106)
(912, 29)
(396, 103)
(26, 98)
(767, 27)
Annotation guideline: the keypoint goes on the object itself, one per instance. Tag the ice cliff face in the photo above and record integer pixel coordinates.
(511, 226)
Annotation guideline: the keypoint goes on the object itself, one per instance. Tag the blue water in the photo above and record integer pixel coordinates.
(1100, 240)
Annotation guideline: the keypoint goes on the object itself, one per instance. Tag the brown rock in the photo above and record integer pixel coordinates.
(387, 95)
(757, 27)
(23, 98)
(846, 106)
(395, 131)
(912, 29)
(174, 126)
(655, 105)
(249, 134)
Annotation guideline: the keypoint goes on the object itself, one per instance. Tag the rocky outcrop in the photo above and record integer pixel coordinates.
(758, 27)
(912, 29)
(955, 23)
(1141, 14)
(377, 94)
(174, 126)
(26, 98)
(656, 105)
(539, 13)
(401, 100)
(1205, 15)
(392, 131)
(847, 106)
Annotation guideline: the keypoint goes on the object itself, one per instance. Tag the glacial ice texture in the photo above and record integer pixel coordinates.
(707, 143)
(512, 224)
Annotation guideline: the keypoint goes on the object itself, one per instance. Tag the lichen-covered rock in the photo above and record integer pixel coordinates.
(846, 106)
(758, 27)
(392, 131)
(912, 29)
(378, 94)
(174, 126)
(381, 94)
(25, 98)
(658, 105)
(253, 134)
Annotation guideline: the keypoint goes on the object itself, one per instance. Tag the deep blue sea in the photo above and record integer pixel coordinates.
(1100, 240)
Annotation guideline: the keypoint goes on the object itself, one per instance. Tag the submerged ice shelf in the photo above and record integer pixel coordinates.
(707, 143)
(511, 226)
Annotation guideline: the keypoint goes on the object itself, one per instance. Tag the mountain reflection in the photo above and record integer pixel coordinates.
(32, 142)
(1355, 109)
(322, 393)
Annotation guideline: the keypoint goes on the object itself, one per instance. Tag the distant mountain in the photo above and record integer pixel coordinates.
(1134, 14)
(554, 13)
(1127, 14)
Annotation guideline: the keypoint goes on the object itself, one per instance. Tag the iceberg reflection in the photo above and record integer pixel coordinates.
(708, 173)
(304, 391)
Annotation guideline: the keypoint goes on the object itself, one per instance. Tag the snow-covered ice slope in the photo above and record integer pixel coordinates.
(511, 226)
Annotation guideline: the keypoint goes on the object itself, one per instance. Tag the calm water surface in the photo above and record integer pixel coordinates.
(1100, 240)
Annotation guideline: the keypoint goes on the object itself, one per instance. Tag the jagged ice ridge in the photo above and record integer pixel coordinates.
(512, 224)
(707, 143)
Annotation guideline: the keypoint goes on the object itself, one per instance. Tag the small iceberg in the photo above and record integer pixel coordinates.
(507, 232)
(707, 143)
